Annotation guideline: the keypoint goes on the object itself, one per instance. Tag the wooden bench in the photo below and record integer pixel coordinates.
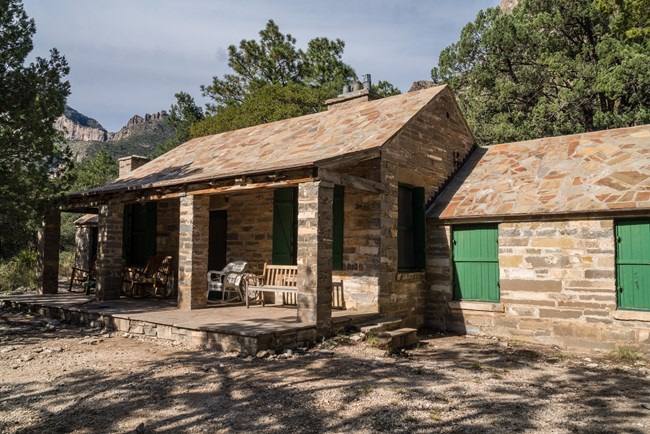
(282, 279)
(279, 279)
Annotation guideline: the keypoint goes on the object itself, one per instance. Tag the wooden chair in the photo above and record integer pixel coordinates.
(85, 277)
(228, 281)
(154, 275)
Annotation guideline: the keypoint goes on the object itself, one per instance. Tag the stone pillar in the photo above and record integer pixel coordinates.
(193, 238)
(315, 254)
(109, 254)
(47, 263)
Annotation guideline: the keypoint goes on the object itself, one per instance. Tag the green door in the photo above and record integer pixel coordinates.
(633, 264)
(285, 226)
(476, 262)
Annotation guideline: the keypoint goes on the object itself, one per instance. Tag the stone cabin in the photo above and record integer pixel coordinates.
(548, 241)
(86, 236)
(341, 194)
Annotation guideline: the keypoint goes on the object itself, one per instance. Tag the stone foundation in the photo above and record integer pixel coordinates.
(557, 287)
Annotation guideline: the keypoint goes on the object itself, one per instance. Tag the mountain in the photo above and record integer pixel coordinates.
(140, 136)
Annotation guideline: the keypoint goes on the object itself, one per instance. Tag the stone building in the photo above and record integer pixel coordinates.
(548, 241)
(341, 194)
(85, 240)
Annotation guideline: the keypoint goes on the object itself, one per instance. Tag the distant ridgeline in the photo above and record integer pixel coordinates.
(140, 135)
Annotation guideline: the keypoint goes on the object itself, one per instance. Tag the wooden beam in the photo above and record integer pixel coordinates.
(350, 181)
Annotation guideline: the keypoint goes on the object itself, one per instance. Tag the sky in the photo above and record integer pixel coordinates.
(130, 57)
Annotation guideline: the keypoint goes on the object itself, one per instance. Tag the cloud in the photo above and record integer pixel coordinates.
(130, 57)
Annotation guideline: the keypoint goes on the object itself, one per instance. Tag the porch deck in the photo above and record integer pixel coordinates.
(223, 328)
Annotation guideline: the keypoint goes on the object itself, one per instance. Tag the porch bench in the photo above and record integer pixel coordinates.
(281, 279)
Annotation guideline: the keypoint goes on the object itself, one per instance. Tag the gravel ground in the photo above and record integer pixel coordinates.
(59, 378)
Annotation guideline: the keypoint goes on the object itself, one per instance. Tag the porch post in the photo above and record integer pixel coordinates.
(193, 240)
(315, 254)
(47, 263)
(109, 251)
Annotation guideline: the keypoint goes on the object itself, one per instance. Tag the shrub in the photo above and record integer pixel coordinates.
(19, 271)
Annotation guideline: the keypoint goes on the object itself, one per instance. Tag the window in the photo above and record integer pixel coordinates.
(475, 250)
(410, 228)
(139, 233)
(633, 264)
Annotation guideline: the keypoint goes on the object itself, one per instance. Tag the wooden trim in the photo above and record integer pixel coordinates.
(350, 181)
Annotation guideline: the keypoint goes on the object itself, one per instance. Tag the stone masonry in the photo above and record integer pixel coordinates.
(557, 287)
(168, 216)
(193, 251)
(315, 254)
(109, 255)
(47, 266)
(425, 153)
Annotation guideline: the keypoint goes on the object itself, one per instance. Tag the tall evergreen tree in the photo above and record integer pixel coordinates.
(32, 96)
(549, 68)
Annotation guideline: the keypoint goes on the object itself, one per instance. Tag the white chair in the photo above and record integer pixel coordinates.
(228, 281)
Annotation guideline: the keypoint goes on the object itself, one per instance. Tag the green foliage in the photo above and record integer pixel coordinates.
(19, 272)
(268, 103)
(182, 116)
(630, 18)
(546, 69)
(32, 162)
(627, 354)
(384, 88)
(272, 80)
(95, 172)
(275, 59)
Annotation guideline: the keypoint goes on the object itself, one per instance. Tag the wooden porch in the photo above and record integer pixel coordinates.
(221, 328)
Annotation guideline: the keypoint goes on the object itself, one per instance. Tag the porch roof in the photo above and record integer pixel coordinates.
(299, 142)
(603, 171)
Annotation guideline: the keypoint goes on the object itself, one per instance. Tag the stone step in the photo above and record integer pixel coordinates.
(380, 325)
(398, 339)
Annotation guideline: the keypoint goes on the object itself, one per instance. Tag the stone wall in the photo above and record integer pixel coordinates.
(47, 263)
(361, 241)
(82, 241)
(557, 287)
(250, 236)
(109, 253)
(426, 152)
(250, 226)
(167, 220)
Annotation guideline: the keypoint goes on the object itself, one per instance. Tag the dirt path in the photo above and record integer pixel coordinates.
(55, 378)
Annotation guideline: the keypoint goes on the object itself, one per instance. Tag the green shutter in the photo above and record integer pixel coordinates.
(633, 264)
(418, 227)
(476, 262)
(337, 228)
(285, 216)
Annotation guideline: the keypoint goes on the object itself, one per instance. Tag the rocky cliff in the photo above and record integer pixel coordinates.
(140, 135)
(78, 127)
(507, 5)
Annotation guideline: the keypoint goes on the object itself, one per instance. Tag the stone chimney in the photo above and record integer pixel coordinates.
(355, 94)
(130, 163)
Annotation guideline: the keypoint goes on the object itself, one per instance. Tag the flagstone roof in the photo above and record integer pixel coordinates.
(298, 142)
(600, 171)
